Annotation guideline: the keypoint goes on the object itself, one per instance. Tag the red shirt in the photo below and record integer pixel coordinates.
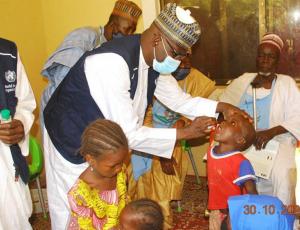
(226, 172)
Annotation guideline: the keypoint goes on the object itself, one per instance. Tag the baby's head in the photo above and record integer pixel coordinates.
(236, 132)
(144, 214)
(104, 146)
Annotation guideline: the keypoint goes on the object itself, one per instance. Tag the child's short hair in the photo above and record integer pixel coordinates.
(100, 136)
(151, 216)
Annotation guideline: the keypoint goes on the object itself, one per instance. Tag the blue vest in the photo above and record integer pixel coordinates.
(8, 99)
(71, 107)
(8, 74)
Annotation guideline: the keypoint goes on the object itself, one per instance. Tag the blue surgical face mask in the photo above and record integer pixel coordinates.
(117, 35)
(181, 73)
(168, 65)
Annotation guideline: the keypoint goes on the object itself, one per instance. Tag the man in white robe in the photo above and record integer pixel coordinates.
(283, 117)
(108, 80)
(15, 200)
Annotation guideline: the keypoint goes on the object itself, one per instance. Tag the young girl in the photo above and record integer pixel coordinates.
(98, 196)
(143, 214)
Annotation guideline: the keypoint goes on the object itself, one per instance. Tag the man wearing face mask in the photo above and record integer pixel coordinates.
(159, 178)
(122, 21)
(117, 81)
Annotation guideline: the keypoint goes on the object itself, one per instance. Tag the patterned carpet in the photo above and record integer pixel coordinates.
(191, 217)
(194, 202)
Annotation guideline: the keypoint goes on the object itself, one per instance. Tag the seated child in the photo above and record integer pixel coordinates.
(143, 214)
(229, 172)
(98, 196)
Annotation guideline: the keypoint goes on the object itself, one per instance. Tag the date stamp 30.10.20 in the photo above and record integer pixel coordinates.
(271, 209)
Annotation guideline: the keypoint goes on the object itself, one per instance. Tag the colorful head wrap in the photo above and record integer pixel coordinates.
(178, 25)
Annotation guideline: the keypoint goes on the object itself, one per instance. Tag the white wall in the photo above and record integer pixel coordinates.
(150, 8)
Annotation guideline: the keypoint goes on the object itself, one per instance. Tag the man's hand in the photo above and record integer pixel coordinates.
(199, 127)
(262, 139)
(167, 165)
(228, 110)
(264, 136)
(12, 132)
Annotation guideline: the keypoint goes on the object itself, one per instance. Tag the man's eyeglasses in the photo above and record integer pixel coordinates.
(176, 54)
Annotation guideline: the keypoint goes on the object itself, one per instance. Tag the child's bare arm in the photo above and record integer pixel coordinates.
(250, 187)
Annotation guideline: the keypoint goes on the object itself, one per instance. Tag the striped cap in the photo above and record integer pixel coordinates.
(178, 25)
(127, 9)
(272, 39)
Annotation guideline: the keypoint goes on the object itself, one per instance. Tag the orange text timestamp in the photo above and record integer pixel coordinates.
(271, 209)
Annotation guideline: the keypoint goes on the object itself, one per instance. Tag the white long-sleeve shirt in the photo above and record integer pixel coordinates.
(109, 86)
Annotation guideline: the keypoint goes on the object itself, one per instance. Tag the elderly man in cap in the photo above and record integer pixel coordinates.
(278, 109)
(122, 21)
(117, 81)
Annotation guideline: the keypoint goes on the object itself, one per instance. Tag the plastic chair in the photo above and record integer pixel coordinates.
(187, 148)
(35, 169)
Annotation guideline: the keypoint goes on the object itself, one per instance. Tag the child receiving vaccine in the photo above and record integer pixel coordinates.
(143, 214)
(229, 172)
(98, 196)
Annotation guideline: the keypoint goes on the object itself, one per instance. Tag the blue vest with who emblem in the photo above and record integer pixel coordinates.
(8, 70)
(8, 100)
(71, 108)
